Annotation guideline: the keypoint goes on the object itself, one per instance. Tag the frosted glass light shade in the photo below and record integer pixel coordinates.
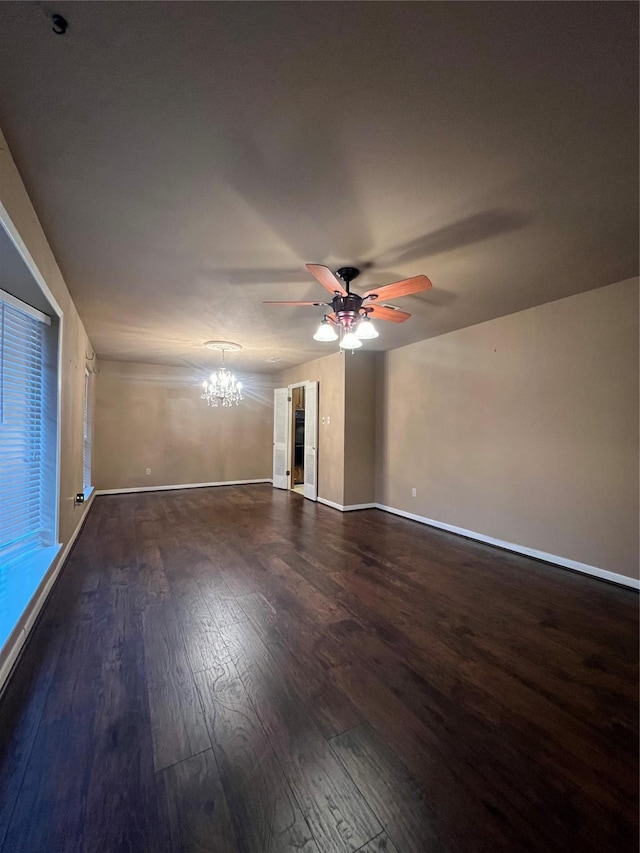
(366, 330)
(350, 341)
(325, 332)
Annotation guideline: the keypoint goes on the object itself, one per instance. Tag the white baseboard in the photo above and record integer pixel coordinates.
(347, 508)
(16, 641)
(177, 486)
(564, 562)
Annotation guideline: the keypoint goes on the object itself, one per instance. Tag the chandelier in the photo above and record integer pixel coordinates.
(222, 388)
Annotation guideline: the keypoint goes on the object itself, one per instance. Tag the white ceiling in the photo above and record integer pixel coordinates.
(187, 159)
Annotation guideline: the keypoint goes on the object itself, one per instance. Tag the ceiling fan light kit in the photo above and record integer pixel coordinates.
(366, 330)
(351, 313)
(350, 341)
(325, 332)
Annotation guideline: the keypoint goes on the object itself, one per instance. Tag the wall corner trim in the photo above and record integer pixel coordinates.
(17, 641)
(563, 562)
(177, 486)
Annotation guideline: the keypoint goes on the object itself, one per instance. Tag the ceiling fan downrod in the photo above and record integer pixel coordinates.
(347, 274)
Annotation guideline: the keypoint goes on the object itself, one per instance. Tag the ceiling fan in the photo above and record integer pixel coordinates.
(352, 313)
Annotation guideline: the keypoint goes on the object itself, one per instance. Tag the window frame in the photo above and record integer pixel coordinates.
(50, 560)
(87, 436)
(56, 312)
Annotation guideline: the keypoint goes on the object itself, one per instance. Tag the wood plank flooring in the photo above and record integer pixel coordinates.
(239, 670)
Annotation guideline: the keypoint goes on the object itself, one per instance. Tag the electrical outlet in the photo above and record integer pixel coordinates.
(148, 471)
(413, 493)
(328, 420)
(80, 498)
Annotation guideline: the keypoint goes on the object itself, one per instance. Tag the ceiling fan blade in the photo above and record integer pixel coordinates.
(327, 278)
(400, 288)
(296, 303)
(381, 312)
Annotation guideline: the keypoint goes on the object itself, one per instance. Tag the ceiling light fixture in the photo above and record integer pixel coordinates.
(351, 313)
(366, 330)
(350, 341)
(349, 316)
(222, 388)
(325, 332)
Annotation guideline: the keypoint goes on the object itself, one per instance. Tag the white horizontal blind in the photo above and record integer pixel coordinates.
(22, 424)
(86, 445)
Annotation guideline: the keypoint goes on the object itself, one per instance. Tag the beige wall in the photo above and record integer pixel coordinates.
(75, 343)
(346, 428)
(360, 432)
(524, 428)
(328, 372)
(151, 416)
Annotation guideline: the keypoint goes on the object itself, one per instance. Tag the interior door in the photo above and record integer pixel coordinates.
(311, 440)
(280, 438)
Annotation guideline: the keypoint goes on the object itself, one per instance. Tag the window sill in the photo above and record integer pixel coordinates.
(22, 580)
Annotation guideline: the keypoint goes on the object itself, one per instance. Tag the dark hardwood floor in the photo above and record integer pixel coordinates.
(238, 669)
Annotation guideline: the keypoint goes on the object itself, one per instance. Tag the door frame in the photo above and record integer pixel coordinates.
(283, 450)
(290, 436)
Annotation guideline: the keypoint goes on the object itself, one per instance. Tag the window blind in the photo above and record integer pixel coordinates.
(22, 431)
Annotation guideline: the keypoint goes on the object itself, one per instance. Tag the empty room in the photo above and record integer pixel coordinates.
(319, 427)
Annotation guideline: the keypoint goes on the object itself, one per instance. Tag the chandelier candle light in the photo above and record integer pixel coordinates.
(222, 388)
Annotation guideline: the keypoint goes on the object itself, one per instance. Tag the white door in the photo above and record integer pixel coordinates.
(311, 440)
(280, 437)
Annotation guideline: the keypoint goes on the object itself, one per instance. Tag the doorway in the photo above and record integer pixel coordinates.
(295, 434)
(297, 445)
